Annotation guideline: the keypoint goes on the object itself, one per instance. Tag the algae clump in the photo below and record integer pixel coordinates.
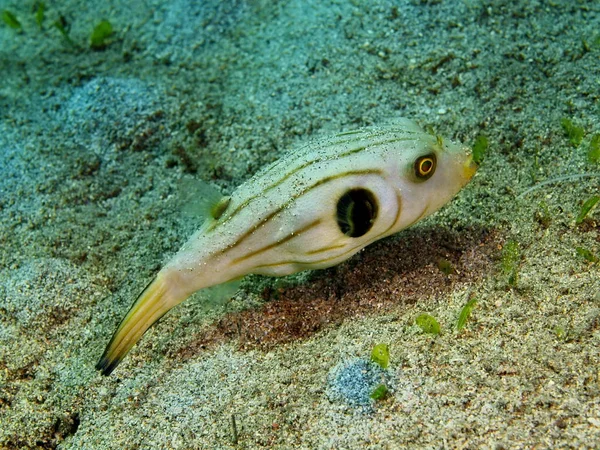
(511, 255)
(11, 20)
(587, 254)
(381, 355)
(100, 34)
(586, 208)
(465, 312)
(39, 14)
(593, 155)
(572, 131)
(445, 266)
(428, 324)
(479, 148)
(62, 25)
(380, 392)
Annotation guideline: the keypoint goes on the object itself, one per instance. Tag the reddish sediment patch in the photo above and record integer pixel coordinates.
(380, 280)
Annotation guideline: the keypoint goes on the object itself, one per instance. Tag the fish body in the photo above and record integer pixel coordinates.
(312, 209)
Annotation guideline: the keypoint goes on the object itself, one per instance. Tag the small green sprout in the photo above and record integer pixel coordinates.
(572, 131)
(542, 215)
(591, 43)
(560, 332)
(479, 148)
(380, 392)
(587, 254)
(445, 266)
(586, 208)
(586, 45)
(465, 312)
(381, 355)
(100, 34)
(428, 324)
(61, 25)
(511, 256)
(39, 14)
(594, 150)
(11, 20)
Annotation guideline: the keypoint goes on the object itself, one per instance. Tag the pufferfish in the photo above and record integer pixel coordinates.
(314, 208)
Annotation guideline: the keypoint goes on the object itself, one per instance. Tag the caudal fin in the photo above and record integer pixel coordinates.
(150, 306)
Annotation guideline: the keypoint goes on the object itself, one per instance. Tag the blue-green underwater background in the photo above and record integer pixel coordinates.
(106, 150)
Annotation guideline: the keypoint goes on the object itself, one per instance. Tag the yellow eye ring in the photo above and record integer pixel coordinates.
(425, 166)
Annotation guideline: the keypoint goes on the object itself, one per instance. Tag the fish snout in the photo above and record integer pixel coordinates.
(469, 167)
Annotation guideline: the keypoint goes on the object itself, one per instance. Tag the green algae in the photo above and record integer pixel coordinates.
(381, 355)
(573, 132)
(586, 208)
(102, 31)
(380, 392)
(480, 148)
(11, 20)
(593, 155)
(40, 14)
(587, 254)
(465, 312)
(428, 324)
(511, 256)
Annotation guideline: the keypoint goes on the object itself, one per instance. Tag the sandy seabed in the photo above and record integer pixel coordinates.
(102, 152)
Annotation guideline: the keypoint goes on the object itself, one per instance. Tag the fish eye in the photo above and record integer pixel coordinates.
(425, 166)
(356, 212)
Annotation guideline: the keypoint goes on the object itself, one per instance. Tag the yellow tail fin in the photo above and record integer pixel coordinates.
(150, 306)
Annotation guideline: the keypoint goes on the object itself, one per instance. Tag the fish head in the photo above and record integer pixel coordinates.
(430, 173)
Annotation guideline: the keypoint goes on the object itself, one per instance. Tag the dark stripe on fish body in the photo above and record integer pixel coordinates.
(398, 211)
(348, 133)
(324, 249)
(326, 143)
(320, 159)
(251, 229)
(279, 242)
(299, 168)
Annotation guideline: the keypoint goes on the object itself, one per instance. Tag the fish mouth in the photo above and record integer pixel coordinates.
(469, 168)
